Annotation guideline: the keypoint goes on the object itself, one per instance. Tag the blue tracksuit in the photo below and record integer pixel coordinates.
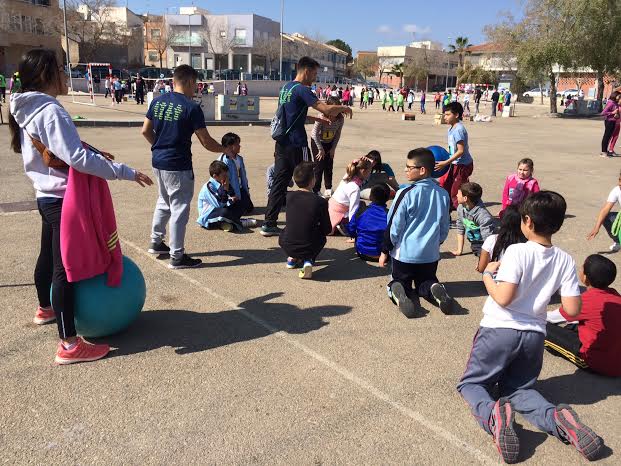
(214, 206)
(368, 227)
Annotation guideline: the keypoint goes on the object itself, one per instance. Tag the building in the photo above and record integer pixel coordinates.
(332, 60)
(437, 69)
(24, 25)
(491, 57)
(155, 41)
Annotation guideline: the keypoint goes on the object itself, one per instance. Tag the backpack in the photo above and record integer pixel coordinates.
(278, 126)
(518, 194)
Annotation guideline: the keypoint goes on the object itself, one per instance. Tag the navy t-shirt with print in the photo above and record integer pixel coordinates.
(296, 98)
(175, 117)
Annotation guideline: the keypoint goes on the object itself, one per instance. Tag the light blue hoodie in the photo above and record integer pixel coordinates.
(238, 182)
(45, 119)
(418, 222)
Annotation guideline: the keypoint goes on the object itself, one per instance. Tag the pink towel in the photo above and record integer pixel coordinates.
(89, 242)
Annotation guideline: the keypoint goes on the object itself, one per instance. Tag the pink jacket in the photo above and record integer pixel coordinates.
(89, 242)
(516, 190)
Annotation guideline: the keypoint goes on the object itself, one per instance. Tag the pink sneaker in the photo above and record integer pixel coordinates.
(44, 315)
(81, 352)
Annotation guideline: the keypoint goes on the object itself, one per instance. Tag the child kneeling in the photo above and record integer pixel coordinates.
(473, 220)
(308, 222)
(215, 208)
(367, 226)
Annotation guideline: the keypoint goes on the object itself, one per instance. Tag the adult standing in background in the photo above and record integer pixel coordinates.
(495, 98)
(477, 99)
(139, 84)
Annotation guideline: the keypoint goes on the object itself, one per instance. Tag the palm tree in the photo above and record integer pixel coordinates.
(397, 70)
(459, 47)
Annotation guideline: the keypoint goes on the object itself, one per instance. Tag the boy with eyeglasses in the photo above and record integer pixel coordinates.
(418, 223)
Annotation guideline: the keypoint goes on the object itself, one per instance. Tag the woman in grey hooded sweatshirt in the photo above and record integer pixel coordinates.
(36, 114)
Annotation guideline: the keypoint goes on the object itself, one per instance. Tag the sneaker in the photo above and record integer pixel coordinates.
(225, 226)
(44, 315)
(501, 426)
(159, 248)
(327, 193)
(81, 352)
(446, 303)
(571, 430)
(341, 229)
(293, 263)
(307, 270)
(267, 230)
(615, 247)
(408, 307)
(248, 222)
(186, 262)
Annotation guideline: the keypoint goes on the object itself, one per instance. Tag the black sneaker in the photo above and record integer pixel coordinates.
(186, 262)
(446, 303)
(267, 230)
(408, 307)
(159, 248)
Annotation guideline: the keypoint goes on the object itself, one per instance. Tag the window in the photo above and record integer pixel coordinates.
(156, 33)
(153, 56)
(27, 24)
(16, 23)
(240, 36)
(38, 29)
(222, 34)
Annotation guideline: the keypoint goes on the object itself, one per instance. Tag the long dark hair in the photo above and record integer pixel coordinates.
(376, 157)
(38, 70)
(509, 233)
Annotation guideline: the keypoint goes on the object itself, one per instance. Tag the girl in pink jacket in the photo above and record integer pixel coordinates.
(520, 185)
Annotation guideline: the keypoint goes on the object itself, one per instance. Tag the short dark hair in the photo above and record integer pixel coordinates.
(333, 101)
(456, 109)
(546, 209)
(229, 139)
(303, 174)
(473, 191)
(308, 63)
(380, 194)
(217, 168)
(528, 162)
(423, 157)
(600, 271)
(185, 74)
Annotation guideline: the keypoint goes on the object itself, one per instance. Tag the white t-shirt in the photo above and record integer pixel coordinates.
(348, 193)
(615, 195)
(539, 272)
(488, 245)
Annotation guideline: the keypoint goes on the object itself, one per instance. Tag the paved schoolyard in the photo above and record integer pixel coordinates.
(241, 362)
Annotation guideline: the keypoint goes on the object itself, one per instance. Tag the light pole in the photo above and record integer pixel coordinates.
(448, 59)
(67, 44)
(282, 9)
(190, 39)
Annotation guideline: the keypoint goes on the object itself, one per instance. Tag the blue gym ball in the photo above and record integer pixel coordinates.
(440, 154)
(102, 310)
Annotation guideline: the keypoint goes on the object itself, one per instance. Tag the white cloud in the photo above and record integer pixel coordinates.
(415, 29)
(384, 29)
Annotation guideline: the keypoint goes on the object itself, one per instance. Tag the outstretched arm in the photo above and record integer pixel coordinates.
(207, 141)
(332, 110)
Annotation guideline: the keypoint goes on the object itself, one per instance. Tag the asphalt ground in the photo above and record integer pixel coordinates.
(241, 362)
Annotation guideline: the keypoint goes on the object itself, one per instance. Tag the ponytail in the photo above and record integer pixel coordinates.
(356, 167)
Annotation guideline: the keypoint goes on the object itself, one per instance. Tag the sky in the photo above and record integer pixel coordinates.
(363, 24)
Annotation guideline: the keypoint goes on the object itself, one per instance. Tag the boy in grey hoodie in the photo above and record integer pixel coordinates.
(473, 220)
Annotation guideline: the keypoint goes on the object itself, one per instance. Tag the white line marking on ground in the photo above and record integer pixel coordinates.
(360, 382)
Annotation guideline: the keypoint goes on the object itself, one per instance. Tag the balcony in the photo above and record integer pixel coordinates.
(182, 39)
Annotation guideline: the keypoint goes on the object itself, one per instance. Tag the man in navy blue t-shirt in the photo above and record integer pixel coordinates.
(169, 124)
(295, 97)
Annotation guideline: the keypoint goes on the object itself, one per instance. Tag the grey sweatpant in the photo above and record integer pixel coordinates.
(175, 189)
(512, 359)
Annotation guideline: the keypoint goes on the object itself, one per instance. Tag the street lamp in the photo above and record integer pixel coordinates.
(448, 58)
(282, 9)
(190, 39)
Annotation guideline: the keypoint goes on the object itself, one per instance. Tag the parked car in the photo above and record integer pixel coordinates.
(536, 92)
(567, 92)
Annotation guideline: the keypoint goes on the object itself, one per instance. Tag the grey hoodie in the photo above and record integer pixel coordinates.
(477, 223)
(46, 120)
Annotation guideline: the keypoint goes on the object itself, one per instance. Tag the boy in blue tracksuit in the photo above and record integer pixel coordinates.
(238, 180)
(418, 222)
(367, 226)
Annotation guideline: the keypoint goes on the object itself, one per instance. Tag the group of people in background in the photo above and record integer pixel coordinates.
(15, 85)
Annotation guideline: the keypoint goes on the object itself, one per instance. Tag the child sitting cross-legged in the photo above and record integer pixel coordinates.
(473, 220)
(595, 343)
(308, 222)
(214, 204)
(367, 226)
(239, 190)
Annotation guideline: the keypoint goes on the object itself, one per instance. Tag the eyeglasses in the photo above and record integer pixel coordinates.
(412, 167)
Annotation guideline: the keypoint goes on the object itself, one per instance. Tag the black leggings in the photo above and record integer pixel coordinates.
(423, 276)
(324, 168)
(609, 128)
(50, 272)
(563, 341)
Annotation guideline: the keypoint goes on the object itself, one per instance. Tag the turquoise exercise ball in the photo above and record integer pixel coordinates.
(440, 154)
(102, 310)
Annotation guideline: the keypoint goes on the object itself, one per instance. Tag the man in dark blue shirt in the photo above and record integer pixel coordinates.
(169, 124)
(295, 97)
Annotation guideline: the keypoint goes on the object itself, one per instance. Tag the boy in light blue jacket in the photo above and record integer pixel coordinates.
(418, 223)
(238, 179)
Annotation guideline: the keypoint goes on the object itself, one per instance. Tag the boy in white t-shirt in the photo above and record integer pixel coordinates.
(508, 348)
(606, 217)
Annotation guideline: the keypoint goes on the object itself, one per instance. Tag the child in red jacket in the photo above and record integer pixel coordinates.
(595, 342)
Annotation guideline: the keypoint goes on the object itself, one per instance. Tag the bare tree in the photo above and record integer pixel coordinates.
(218, 38)
(167, 37)
(366, 65)
(268, 48)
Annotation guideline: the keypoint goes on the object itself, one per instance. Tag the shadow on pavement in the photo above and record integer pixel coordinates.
(529, 441)
(466, 289)
(244, 257)
(345, 265)
(579, 388)
(189, 331)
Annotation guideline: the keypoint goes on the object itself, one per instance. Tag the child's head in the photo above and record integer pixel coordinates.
(525, 168)
(420, 164)
(332, 100)
(598, 271)
(509, 232)
(360, 168)
(453, 113)
(219, 171)
(380, 194)
(231, 143)
(304, 176)
(376, 160)
(469, 194)
(543, 213)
